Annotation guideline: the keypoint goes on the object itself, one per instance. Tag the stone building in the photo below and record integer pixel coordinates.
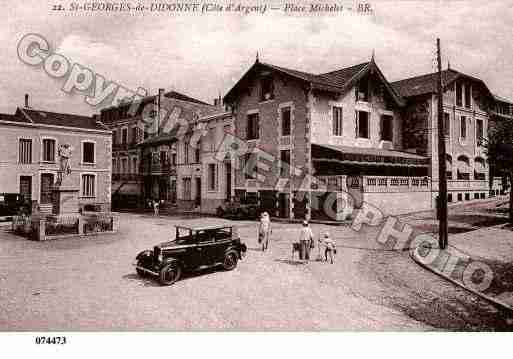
(29, 156)
(143, 163)
(468, 105)
(318, 144)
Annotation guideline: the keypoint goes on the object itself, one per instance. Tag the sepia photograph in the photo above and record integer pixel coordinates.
(275, 167)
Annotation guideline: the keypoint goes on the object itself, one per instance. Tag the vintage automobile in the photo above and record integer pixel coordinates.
(193, 248)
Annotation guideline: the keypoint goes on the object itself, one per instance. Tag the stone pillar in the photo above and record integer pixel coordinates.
(115, 222)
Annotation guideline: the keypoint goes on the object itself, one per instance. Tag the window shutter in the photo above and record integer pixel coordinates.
(381, 119)
(257, 126)
(334, 119)
(356, 124)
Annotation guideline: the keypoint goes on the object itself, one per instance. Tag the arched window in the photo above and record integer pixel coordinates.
(463, 168)
(479, 168)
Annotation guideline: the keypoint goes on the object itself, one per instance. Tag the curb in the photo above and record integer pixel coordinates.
(488, 298)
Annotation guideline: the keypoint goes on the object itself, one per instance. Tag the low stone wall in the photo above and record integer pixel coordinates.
(54, 227)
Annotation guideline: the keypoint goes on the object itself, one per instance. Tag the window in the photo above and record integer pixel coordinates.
(197, 152)
(467, 96)
(362, 123)
(252, 129)
(212, 176)
(124, 136)
(133, 134)
(285, 163)
(463, 127)
(459, 94)
(114, 165)
(25, 151)
(266, 88)
(48, 150)
(447, 124)
(285, 121)
(134, 165)
(115, 137)
(337, 121)
(88, 152)
(173, 159)
(187, 188)
(387, 128)
(479, 132)
(163, 157)
(186, 152)
(88, 189)
(249, 166)
(362, 90)
(124, 165)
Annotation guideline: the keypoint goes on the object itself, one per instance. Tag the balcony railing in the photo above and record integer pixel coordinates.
(158, 168)
(373, 183)
(124, 146)
(126, 177)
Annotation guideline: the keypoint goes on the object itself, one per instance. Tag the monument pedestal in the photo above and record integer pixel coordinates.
(65, 201)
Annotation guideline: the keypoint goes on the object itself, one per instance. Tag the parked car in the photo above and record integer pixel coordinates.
(193, 248)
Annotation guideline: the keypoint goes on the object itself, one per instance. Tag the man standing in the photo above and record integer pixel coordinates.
(305, 237)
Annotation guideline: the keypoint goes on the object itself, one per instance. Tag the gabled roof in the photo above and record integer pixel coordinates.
(183, 97)
(502, 99)
(170, 94)
(338, 81)
(58, 119)
(427, 84)
(12, 118)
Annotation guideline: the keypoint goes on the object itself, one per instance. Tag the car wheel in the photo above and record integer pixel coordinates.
(170, 273)
(230, 260)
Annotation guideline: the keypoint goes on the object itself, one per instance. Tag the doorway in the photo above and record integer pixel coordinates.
(228, 172)
(26, 187)
(46, 187)
(197, 201)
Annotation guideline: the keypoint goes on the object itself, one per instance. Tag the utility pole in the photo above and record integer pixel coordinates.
(442, 174)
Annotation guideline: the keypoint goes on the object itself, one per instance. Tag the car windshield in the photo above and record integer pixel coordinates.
(183, 235)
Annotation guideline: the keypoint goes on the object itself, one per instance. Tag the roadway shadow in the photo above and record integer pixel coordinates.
(292, 262)
(152, 281)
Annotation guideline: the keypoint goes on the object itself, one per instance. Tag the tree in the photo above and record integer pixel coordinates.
(499, 150)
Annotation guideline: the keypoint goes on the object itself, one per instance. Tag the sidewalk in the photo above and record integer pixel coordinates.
(492, 246)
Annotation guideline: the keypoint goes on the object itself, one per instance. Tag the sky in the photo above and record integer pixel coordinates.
(204, 55)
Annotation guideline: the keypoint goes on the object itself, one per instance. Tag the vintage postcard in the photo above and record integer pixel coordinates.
(254, 166)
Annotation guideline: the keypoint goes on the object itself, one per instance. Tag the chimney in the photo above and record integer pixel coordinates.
(26, 100)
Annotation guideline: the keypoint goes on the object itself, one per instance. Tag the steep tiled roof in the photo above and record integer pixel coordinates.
(334, 81)
(341, 77)
(426, 84)
(338, 78)
(423, 84)
(59, 119)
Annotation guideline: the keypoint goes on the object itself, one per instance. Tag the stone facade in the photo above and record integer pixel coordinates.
(36, 175)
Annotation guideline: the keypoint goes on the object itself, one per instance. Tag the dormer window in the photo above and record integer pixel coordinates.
(266, 88)
(362, 90)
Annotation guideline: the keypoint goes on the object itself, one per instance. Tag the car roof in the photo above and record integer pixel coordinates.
(205, 228)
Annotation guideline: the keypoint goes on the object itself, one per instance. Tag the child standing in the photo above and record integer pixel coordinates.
(331, 249)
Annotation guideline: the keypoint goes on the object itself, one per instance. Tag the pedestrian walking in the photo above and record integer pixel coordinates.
(156, 205)
(330, 247)
(264, 231)
(305, 240)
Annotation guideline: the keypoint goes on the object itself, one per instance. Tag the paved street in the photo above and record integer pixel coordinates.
(90, 284)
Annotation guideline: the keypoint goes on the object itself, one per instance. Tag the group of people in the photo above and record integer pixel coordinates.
(306, 240)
